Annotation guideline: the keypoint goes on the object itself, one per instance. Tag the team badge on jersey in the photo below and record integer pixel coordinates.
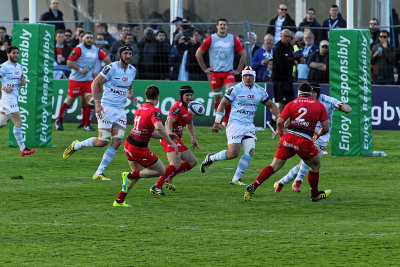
(106, 70)
(176, 111)
(72, 53)
(229, 91)
(157, 115)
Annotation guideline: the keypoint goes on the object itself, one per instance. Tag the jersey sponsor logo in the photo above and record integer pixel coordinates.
(124, 79)
(176, 111)
(236, 136)
(229, 91)
(157, 115)
(122, 93)
(245, 112)
(250, 96)
(17, 72)
(106, 70)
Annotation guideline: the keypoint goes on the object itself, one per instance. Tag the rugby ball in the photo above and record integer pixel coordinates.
(196, 108)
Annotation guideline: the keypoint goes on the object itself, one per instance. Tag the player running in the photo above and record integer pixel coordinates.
(322, 142)
(12, 76)
(143, 162)
(244, 98)
(117, 78)
(304, 112)
(178, 118)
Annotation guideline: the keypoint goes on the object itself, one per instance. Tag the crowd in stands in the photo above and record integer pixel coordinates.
(158, 58)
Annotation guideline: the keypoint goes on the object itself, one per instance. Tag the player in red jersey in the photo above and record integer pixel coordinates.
(143, 162)
(221, 47)
(179, 117)
(303, 114)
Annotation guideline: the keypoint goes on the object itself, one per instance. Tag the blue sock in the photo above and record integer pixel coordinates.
(219, 156)
(20, 140)
(87, 142)
(290, 175)
(242, 167)
(302, 172)
(107, 158)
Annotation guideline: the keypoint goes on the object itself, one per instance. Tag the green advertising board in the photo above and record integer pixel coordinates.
(36, 55)
(350, 82)
(169, 94)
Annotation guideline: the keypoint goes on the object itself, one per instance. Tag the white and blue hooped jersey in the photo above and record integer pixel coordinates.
(329, 103)
(118, 82)
(10, 76)
(244, 102)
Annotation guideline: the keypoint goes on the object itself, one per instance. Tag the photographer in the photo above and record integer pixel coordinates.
(179, 54)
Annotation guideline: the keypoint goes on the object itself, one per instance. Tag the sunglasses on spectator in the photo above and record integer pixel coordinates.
(373, 23)
(324, 46)
(283, 9)
(68, 35)
(383, 36)
(311, 13)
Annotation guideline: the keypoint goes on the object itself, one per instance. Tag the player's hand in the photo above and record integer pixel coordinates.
(275, 134)
(316, 136)
(209, 70)
(195, 145)
(85, 70)
(134, 101)
(340, 107)
(216, 127)
(22, 81)
(99, 111)
(235, 72)
(174, 137)
(8, 89)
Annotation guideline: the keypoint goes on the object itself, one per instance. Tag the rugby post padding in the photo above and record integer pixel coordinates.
(36, 55)
(350, 82)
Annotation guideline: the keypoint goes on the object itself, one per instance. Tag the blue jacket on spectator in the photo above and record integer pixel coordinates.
(260, 55)
(299, 53)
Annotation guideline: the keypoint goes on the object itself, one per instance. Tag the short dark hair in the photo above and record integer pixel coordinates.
(68, 30)
(11, 48)
(304, 89)
(3, 28)
(103, 25)
(161, 31)
(385, 31)
(222, 19)
(59, 31)
(311, 9)
(334, 6)
(377, 21)
(152, 92)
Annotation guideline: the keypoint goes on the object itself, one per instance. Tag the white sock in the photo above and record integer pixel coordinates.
(242, 167)
(219, 156)
(20, 140)
(302, 172)
(290, 175)
(107, 158)
(87, 142)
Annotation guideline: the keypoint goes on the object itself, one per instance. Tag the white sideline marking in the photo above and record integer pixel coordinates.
(197, 228)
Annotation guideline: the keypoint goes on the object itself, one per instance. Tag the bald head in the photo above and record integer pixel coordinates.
(286, 36)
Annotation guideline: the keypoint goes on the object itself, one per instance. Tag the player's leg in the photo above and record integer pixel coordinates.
(83, 107)
(127, 185)
(89, 110)
(313, 179)
(16, 119)
(3, 119)
(117, 133)
(216, 87)
(64, 108)
(228, 82)
(248, 144)
(174, 160)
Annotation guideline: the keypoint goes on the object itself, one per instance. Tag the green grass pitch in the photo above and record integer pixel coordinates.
(58, 216)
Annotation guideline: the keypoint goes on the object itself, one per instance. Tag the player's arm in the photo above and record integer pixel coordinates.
(22, 81)
(169, 124)
(131, 96)
(199, 55)
(219, 115)
(72, 64)
(190, 129)
(98, 81)
(324, 130)
(272, 108)
(158, 126)
(280, 126)
(242, 61)
(344, 108)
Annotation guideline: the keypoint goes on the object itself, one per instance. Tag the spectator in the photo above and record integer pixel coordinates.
(177, 21)
(335, 20)
(373, 32)
(78, 32)
(179, 55)
(161, 60)
(302, 54)
(267, 76)
(101, 42)
(310, 22)
(192, 67)
(298, 40)
(125, 29)
(253, 43)
(209, 31)
(103, 29)
(147, 51)
(383, 58)
(54, 15)
(68, 37)
(5, 42)
(318, 62)
(262, 57)
(129, 40)
(281, 22)
(282, 79)
(61, 50)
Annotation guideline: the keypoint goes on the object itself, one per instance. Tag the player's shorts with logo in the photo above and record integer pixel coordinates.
(236, 131)
(168, 148)
(142, 155)
(217, 79)
(292, 144)
(110, 116)
(8, 103)
(76, 88)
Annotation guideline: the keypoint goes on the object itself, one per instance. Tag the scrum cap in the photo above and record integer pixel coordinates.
(315, 87)
(125, 48)
(249, 70)
(185, 89)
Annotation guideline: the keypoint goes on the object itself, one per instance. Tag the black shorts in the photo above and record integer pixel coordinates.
(283, 91)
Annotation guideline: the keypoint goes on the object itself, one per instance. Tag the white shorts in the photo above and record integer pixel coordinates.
(110, 116)
(323, 141)
(236, 131)
(8, 104)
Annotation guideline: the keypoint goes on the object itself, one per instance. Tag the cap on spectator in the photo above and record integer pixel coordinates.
(324, 42)
(176, 19)
(299, 34)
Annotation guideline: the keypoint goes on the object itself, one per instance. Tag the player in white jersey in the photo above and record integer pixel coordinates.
(117, 78)
(12, 76)
(244, 98)
(298, 172)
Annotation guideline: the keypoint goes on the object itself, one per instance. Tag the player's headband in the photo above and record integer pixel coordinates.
(87, 35)
(304, 89)
(248, 71)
